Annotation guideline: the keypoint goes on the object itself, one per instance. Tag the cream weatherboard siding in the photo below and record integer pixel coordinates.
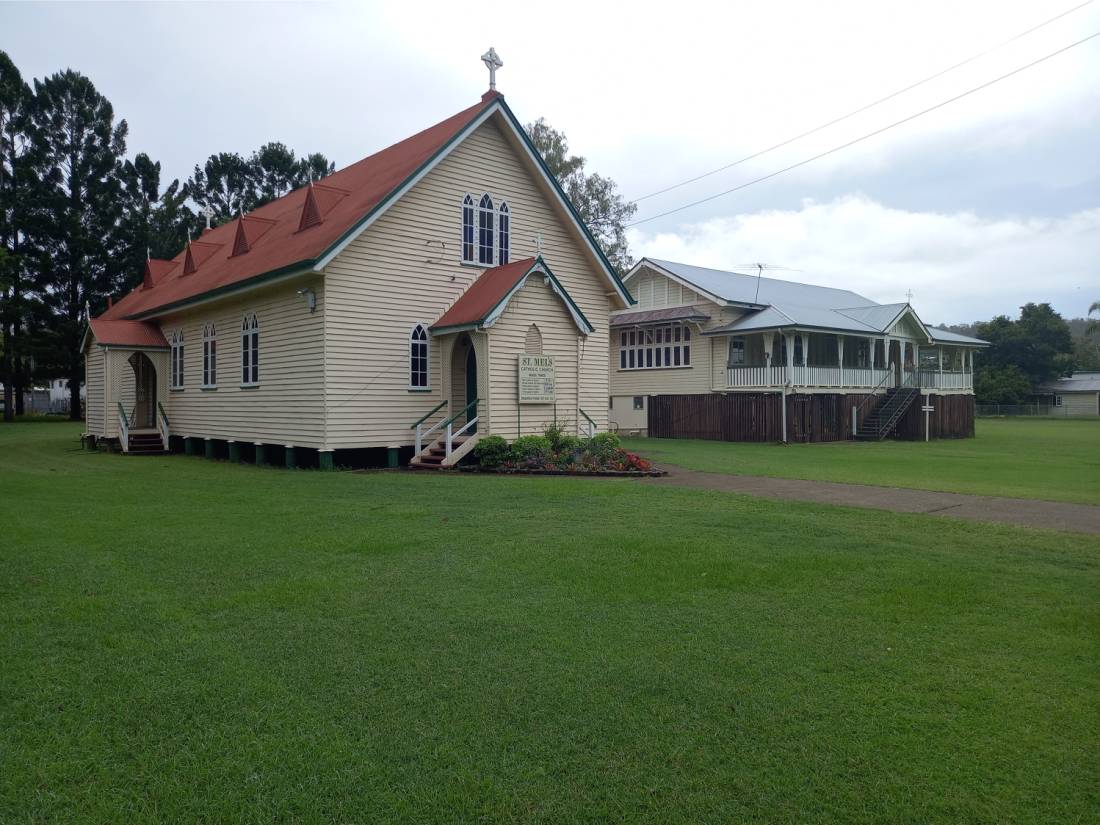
(536, 304)
(1078, 404)
(652, 290)
(406, 269)
(288, 405)
(95, 401)
(709, 354)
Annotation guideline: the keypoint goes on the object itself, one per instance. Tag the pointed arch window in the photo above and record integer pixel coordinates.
(176, 357)
(468, 229)
(250, 351)
(532, 343)
(485, 222)
(418, 358)
(209, 356)
(504, 233)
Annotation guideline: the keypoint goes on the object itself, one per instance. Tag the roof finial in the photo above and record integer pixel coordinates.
(208, 213)
(148, 254)
(492, 62)
(909, 297)
(538, 243)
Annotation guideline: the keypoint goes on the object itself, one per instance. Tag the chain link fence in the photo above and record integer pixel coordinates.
(1014, 410)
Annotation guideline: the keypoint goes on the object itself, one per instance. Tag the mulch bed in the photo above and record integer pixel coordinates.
(596, 473)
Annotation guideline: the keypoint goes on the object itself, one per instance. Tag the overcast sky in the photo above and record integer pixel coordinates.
(977, 208)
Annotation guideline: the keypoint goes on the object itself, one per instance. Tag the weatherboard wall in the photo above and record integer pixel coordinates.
(406, 269)
(95, 382)
(287, 407)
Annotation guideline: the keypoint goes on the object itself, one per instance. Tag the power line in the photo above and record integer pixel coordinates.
(862, 109)
(835, 149)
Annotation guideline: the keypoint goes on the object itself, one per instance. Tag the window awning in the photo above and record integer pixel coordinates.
(656, 316)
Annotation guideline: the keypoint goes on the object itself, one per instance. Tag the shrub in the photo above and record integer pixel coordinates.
(532, 451)
(491, 452)
(603, 447)
(556, 436)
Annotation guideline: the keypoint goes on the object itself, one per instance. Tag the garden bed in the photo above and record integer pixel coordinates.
(555, 453)
(653, 473)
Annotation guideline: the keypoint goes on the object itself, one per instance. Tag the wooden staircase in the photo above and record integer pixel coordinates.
(435, 456)
(145, 442)
(884, 418)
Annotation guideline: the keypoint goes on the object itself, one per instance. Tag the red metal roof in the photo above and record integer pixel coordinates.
(484, 294)
(127, 333)
(342, 199)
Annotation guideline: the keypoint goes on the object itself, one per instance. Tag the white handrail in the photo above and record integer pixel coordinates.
(421, 435)
(451, 434)
(162, 425)
(123, 429)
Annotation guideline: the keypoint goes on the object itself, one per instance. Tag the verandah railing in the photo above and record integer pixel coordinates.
(807, 376)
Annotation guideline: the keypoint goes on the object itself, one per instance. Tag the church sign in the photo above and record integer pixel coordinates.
(536, 379)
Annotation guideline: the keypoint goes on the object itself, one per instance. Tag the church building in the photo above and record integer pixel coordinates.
(434, 292)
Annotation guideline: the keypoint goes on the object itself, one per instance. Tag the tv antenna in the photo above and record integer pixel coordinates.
(760, 267)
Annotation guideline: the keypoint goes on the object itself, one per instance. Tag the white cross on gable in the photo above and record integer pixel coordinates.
(208, 213)
(492, 62)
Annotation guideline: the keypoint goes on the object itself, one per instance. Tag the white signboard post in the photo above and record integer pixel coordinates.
(537, 380)
(927, 408)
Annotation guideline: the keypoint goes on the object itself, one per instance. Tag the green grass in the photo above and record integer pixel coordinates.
(191, 641)
(1056, 460)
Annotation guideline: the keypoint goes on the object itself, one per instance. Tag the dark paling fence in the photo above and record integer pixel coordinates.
(810, 418)
(952, 416)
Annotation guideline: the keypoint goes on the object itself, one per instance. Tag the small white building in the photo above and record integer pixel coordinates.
(1075, 397)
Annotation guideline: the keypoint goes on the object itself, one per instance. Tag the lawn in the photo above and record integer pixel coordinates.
(1057, 460)
(184, 640)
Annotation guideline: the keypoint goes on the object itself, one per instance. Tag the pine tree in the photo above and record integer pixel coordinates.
(75, 226)
(153, 223)
(17, 181)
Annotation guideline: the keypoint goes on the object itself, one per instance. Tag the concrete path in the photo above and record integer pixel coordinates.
(1024, 512)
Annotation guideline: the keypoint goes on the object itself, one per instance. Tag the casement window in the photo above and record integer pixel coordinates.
(468, 230)
(176, 358)
(639, 402)
(209, 356)
(1057, 401)
(418, 358)
(655, 348)
(250, 351)
(485, 221)
(504, 234)
(737, 352)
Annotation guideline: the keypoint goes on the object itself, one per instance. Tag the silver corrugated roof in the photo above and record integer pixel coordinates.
(742, 289)
(791, 304)
(1078, 382)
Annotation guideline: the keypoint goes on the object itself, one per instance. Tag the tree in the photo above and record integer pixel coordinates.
(74, 226)
(1086, 353)
(1001, 385)
(225, 183)
(1094, 326)
(595, 197)
(17, 181)
(153, 223)
(229, 183)
(1039, 343)
(276, 170)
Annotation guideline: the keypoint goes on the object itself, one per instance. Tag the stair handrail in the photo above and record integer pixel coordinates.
(123, 428)
(883, 380)
(592, 425)
(162, 425)
(448, 443)
(419, 426)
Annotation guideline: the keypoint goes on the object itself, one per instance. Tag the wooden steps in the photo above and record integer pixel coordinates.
(434, 457)
(145, 443)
